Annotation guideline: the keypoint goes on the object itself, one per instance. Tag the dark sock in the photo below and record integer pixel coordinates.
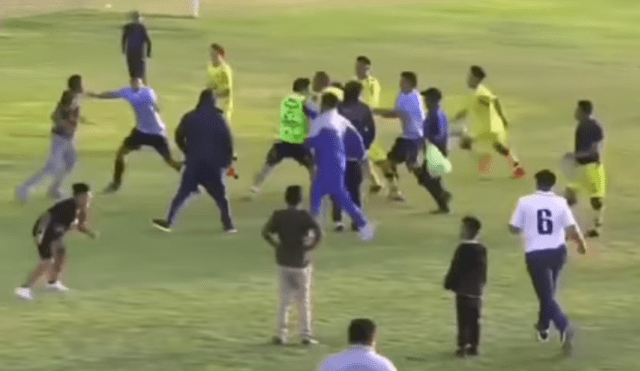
(51, 282)
(118, 171)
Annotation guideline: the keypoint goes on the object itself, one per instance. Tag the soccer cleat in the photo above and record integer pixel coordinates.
(277, 340)
(24, 293)
(518, 173)
(460, 353)
(543, 335)
(310, 341)
(566, 337)
(472, 351)
(368, 232)
(111, 188)
(57, 287)
(354, 227)
(375, 188)
(593, 233)
(441, 211)
(231, 230)
(338, 227)
(161, 224)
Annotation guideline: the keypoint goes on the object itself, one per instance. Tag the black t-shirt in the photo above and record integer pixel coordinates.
(60, 216)
(588, 133)
(292, 226)
(468, 271)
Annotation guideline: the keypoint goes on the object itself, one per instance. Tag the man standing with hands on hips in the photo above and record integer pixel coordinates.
(545, 220)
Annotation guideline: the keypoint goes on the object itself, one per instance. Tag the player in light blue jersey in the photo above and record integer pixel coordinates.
(410, 110)
(149, 131)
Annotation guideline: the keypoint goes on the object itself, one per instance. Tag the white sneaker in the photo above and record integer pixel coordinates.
(57, 287)
(368, 232)
(24, 293)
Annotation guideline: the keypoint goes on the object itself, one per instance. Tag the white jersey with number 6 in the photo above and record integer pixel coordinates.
(542, 217)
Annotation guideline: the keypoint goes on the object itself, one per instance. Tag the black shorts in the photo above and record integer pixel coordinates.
(137, 139)
(406, 151)
(295, 151)
(47, 240)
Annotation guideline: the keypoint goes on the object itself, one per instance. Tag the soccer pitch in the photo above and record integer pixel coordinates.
(197, 300)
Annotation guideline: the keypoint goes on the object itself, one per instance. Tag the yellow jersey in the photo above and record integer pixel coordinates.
(485, 118)
(370, 91)
(221, 79)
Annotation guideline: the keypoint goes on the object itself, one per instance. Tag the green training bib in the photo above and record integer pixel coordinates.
(294, 124)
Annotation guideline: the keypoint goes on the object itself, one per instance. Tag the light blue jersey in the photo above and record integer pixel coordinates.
(144, 103)
(411, 105)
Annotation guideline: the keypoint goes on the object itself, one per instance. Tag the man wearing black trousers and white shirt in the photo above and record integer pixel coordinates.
(545, 220)
(360, 116)
(467, 277)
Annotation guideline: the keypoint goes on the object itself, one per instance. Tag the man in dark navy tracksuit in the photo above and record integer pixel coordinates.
(360, 116)
(205, 138)
(136, 45)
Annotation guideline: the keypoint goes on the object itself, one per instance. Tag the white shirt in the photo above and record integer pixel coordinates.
(144, 102)
(542, 217)
(330, 120)
(357, 358)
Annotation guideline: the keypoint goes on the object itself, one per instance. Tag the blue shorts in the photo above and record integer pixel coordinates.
(406, 151)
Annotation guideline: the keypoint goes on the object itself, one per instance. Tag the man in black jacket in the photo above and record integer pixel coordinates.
(360, 116)
(136, 45)
(467, 277)
(205, 138)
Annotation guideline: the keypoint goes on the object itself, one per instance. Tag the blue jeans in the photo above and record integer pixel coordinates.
(544, 267)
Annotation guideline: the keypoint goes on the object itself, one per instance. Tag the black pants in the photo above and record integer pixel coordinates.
(353, 180)
(136, 63)
(468, 309)
(433, 185)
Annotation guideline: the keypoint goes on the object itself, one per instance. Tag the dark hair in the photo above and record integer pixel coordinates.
(364, 60)
(293, 195)
(361, 331)
(477, 71)
(411, 77)
(218, 48)
(301, 84)
(329, 100)
(338, 85)
(586, 106)
(545, 180)
(472, 224)
(352, 91)
(66, 99)
(432, 94)
(74, 82)
(135, 15)
(80, 188)
(321, 75)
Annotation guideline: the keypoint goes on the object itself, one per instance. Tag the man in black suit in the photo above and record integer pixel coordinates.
(467, 277)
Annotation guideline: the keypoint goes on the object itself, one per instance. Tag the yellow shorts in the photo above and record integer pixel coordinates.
(590, 178)
(376, 153)
(489, 139)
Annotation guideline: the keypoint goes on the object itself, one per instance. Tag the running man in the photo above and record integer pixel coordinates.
(204, 137)
(489, 127)
(587, 156)
(294, 127)
(63, 154)
(149, 131)
(332, 140)
(371, 97)
(49, 232)
(545, 219)
(407, 148)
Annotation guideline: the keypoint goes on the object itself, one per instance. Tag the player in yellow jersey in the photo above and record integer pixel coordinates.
(221, 82)
(489, 126)
(371, 97)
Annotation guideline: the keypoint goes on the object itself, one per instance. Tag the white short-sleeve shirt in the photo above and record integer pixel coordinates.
(144, 102)
(542, 217)
(357, 358)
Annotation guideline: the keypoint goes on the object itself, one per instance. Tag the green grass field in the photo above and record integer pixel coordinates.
(198, 300)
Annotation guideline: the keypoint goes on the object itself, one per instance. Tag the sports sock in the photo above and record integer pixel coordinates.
(118, 171)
